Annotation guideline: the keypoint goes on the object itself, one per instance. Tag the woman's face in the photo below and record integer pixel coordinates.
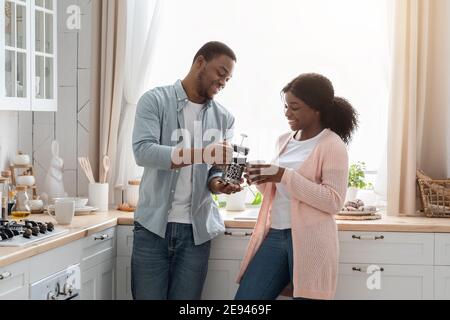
(299, 115)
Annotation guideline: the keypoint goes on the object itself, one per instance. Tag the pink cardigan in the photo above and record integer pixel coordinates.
(318, 191)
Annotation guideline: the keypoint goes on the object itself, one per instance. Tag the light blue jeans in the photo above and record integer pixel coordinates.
(270, 271)
(173, 268)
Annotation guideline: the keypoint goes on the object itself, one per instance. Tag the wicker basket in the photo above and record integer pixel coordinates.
(435, 196)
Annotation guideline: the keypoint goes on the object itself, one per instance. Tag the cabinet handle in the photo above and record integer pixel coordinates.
(238, 234)
(102, 237)
(5, 275)
(354, 237)
(361, 269)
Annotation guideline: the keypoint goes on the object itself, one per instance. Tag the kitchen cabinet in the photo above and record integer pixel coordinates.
(97, 283)
(123, 262)
(123, 280)
(14, 281)
(28, 55)
(442, 266)
(227, 252)
(98, 265)
(384, 282)
(386, 265)
(220, 282)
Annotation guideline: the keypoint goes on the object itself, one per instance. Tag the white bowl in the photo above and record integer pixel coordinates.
(21, 159)
(28, 181)
(79, 202)
(36, 205)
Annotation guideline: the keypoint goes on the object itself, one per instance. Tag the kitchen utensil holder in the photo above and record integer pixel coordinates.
(99, 196)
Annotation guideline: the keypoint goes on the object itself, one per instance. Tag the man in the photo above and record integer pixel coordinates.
(176, 217)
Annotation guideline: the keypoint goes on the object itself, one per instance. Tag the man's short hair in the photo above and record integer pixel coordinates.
(213, 49)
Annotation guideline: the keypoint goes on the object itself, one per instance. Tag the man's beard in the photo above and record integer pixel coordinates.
(201, 90)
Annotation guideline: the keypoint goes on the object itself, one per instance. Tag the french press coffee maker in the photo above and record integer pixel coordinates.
(234, 172)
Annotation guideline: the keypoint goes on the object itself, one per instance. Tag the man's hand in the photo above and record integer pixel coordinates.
(217, 185)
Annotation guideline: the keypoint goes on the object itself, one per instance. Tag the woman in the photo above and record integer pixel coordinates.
(295, 238)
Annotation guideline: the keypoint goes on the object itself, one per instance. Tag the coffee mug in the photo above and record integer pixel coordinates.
(64, 212)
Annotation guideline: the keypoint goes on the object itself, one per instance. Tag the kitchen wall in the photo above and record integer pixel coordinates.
(8, 136)
(33, 132)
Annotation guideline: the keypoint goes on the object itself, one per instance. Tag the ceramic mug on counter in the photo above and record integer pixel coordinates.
(64, 211)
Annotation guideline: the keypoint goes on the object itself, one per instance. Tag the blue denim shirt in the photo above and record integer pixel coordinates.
(159, 114)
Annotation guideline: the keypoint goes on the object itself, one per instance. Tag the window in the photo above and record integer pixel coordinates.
(275, 41)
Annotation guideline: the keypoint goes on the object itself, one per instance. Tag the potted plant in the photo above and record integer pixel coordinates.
(356, 180)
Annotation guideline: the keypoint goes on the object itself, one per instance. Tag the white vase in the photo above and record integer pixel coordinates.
(352, 193)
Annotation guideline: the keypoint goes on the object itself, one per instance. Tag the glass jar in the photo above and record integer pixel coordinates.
(133, 193)
(21, 208)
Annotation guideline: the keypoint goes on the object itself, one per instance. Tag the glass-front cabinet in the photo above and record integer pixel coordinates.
(28, 55)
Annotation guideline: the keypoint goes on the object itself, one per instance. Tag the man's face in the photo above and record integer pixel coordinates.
(213, 76)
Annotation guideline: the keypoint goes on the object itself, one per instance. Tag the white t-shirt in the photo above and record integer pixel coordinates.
(295, 154)
(181, 205)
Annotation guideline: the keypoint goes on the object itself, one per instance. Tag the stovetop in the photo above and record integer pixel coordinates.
(22, 233)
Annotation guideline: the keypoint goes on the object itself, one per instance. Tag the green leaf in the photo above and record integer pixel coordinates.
(257, 200)
(357, 177)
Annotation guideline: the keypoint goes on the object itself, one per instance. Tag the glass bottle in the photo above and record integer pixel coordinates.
(21, 208)
(4, 198)
(8, 194)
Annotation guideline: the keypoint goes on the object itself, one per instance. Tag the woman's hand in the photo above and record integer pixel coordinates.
(263, 173)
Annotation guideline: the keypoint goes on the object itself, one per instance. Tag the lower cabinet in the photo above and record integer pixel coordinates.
(123, 262)
(220, 282)
(227, 252)
(384, 282)
(442, 283)
(97, 283)
(14, 281)
(123, 282)
(98, 266)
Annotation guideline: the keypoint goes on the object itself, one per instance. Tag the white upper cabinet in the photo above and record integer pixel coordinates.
(28, 80)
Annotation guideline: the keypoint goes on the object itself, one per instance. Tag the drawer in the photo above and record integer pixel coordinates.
(124, 241)
(442, 249)
(232, 245)
(98, 248)
(14, 281)
(53, 261)
(384, 282)
(386, 247)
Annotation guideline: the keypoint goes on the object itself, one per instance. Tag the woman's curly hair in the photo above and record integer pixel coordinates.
(336, 114)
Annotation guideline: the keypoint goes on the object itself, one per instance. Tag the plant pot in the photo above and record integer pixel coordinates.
(352, 193)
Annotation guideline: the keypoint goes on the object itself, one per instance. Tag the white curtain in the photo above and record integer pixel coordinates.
(419, 117)
(142, 24)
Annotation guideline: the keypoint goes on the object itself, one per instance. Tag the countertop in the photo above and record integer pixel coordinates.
(83, 226)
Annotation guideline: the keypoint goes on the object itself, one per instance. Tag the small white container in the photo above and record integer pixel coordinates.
(21, 159)
(28, 181)
(236, 201)
(132, 193)
(99, 196)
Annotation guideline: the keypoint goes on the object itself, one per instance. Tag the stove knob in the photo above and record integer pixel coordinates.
(68, 289)
(51, 296)
(27, 233)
